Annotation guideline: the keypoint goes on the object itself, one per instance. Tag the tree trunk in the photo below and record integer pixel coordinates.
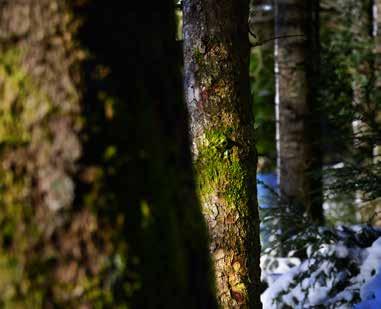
(41, 231)
(98, 204)
(262, 81)
(298, 121)
(216, 50)
(362, 79)
(377, 82)
(362, 83)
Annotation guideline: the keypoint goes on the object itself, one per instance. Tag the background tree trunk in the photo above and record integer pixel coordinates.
(298, 120)
(262, 82)
(216, 50)
(377, 69)
(362, 77)
(98, 203)
(362, 83)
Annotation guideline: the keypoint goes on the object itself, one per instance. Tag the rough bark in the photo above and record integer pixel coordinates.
(98, 204)
(216, 51)
(298, 127)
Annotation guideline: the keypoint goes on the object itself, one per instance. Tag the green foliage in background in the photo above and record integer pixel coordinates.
(348, 94)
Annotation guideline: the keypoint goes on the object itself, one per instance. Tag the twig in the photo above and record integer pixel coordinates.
(252, 33)
(276, 38)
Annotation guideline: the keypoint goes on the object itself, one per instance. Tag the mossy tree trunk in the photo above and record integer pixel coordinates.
(216, 64)
(53, 243)
(298, 120)
(98, 204)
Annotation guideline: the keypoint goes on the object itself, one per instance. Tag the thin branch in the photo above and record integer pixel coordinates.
(276, 38)
(252, 33)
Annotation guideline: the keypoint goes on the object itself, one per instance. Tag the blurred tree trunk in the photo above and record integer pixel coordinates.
(53, 243)
(298, 119)
(361, 11)
(262, 81)
(216, 50)
(377, 82)
(98, 205)
(362, 77)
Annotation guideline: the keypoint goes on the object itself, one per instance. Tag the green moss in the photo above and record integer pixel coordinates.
(219, 168)
(22, 107)
(15, 121)
(22, 104)
(25, 116)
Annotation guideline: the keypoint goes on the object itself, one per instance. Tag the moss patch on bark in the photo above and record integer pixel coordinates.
(219, 167)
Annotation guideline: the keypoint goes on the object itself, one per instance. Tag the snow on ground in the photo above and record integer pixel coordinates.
(344, 272)
(369, 279)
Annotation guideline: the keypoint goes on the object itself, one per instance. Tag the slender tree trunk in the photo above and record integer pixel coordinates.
(362, 82)
(216, 61)
(314, 119)
(377, 69)
(98, 204)
(362, 33)
(298, 127)
(261, 23)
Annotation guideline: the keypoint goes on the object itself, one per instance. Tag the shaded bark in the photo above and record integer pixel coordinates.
(216, 51)
(298, 120)
(98, 203)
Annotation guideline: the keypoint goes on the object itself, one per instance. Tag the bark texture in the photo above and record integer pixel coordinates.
(298, 122)
(98, 206)
(216, 51)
